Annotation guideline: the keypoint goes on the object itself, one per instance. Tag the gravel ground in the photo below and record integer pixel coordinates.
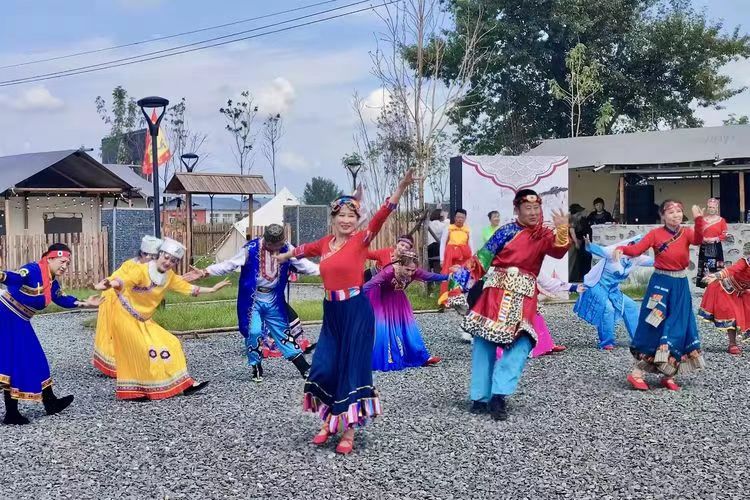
(575, 431)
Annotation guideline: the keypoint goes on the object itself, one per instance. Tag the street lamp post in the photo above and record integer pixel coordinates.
(189, 160)
(354, 165)
(153, 130)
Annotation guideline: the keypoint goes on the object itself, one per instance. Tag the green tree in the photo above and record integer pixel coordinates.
(321, 191)
(123, 118)
(582, 85)
(737, 120)
(658, 59)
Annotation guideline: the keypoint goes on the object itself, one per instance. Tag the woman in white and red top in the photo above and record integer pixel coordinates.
(340, 386)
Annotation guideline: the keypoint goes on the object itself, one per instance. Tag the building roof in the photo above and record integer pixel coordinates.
(68, 169)
(220, 204)
(687, 145)
(126, 173)
(184, 182)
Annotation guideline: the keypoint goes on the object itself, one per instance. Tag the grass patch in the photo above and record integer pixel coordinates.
(204, 316)
(310, 279)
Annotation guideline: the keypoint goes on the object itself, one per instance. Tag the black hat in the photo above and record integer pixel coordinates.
(274, 233)
(576, 208)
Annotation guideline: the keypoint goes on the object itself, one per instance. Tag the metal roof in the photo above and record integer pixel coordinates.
(731, 142)
(184, 182)
(126, 173)
(67, 169)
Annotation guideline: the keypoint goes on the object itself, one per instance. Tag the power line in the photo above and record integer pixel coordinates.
(43, 76)
(288, 28)
(167, 37)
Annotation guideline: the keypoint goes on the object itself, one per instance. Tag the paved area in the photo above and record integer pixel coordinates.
(575, 431)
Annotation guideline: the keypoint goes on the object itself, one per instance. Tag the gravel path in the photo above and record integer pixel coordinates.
(576, 430)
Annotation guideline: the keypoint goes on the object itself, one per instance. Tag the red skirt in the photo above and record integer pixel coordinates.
(455, 255)
(725, 310)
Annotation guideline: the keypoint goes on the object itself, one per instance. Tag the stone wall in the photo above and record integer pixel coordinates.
(736, 246)
(126, 227)
(308, 222)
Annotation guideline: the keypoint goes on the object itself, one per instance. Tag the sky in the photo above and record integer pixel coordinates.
(307, 74)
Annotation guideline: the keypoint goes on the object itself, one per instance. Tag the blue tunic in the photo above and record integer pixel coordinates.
(603, 304)
(24, 370)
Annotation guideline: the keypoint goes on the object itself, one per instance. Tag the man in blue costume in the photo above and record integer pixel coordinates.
(261, 304)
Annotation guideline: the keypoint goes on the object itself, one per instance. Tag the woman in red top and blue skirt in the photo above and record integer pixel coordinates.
(339, 387)
(666, 340)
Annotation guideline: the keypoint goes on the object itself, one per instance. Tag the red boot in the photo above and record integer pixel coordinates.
(637, 383)
(669, 383)
(433, 361)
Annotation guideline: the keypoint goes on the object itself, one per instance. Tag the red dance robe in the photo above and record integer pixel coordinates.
(509, 263)
(726, 302)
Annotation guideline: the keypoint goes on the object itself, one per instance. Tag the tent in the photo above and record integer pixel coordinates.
(270, 213)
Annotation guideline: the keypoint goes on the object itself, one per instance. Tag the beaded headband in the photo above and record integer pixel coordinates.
(405, 240)
(407, 257)
(54, 254)
(673, 204)
(349, 202)
(529, 198)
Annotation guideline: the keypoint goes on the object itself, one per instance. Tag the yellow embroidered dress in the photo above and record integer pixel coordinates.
(104, 348)
(150, 360)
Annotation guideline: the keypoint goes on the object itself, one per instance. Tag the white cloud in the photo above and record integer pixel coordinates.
(35, 98)
(739, 72)
(276, 98)
(373, 104)
(294, 161)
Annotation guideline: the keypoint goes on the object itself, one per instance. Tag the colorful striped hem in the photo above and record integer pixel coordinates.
(721, 324)
(15, 393)
(133, 391)
(104, 365)
(357, 415)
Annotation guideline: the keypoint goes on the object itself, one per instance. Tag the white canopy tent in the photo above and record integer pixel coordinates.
(270, 213)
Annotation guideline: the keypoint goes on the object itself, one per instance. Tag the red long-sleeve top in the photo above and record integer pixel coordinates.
(343, 268)
(716, 229)
(382, 257)
(672, 257)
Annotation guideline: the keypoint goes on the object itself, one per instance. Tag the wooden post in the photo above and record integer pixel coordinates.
(622, 198)
(189, 228)
(25, 212)
(250, 214)
(742, 197)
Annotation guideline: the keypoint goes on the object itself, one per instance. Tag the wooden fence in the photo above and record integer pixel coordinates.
(89, 261)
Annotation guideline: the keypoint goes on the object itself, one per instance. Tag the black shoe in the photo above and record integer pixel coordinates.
(258, 373)
(310, 348)
(195, 388)
(52, 404)
(12, 415)
(302, 365)
(478, 407)
(498, 408)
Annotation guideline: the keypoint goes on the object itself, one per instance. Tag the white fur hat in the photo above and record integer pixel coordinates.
(150, 244)
(172, 247)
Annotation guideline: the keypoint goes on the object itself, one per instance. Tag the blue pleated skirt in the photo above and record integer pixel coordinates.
(24, 369)
(340, 387)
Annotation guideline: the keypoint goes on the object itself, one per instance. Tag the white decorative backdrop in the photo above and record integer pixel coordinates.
(491, 182)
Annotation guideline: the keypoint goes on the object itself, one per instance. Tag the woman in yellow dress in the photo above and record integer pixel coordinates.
(104, 348)
(150, 362)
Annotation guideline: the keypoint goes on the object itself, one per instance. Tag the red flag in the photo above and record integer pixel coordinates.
(163, 154)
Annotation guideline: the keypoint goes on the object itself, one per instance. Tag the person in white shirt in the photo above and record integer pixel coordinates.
(260, 301)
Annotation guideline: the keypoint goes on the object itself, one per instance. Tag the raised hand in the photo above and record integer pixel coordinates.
(697, 212)
(560, 218)
(581, 288)
(194, 274)
(221, 284)
(408, 178)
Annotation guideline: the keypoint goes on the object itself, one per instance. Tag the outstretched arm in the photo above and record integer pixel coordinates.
(429, 277)
(11, 278)
(384, 276)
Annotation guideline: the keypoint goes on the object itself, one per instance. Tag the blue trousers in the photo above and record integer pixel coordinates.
(273, 317)
(490, 376)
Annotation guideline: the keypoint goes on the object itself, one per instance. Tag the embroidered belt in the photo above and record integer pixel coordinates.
(341, 295)
(263, 289)
(32, 292)
(22, 310)
(511, 279)
(673, 274)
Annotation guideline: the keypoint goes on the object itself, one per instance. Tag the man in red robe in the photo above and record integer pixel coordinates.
(503, 315)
